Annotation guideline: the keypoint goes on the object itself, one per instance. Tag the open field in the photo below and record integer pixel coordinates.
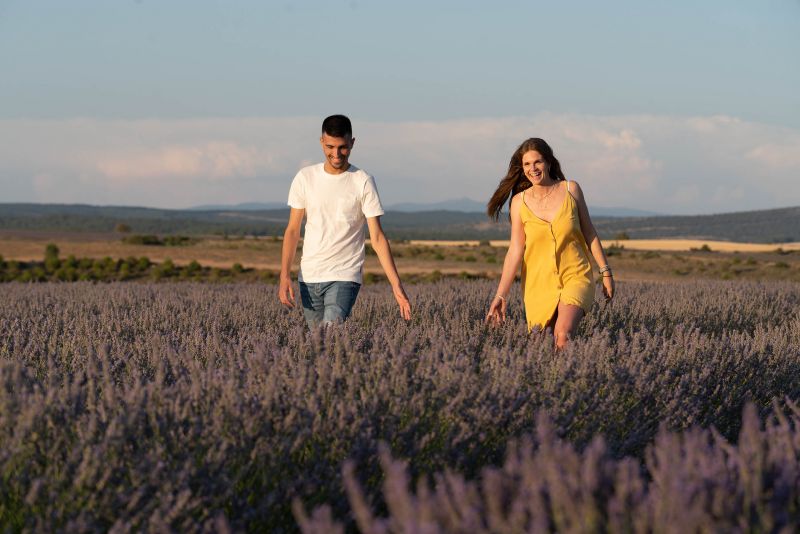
(631, 259)
(209, 408)
(674, 245)
(216, 252)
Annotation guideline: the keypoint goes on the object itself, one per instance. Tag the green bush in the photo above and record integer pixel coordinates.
(193, 267)
(66, 274)
(97, 271)
(167, 268)
(270, 276)
(38, 274)
(138, 239)
(177, 241)
(51, 261)
(51, 251)
(106, 268)
(124, 271)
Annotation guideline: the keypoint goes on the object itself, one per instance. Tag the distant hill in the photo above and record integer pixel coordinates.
(85, 218)
(599, 211)
(459, 204)
(246, 206)
(464, 204)
(469, 205)
(766, 226)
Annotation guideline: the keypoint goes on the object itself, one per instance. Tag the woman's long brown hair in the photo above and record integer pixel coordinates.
(516, 181)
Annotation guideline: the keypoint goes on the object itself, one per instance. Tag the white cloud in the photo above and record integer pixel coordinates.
(783, 155)
(662, 163)
(215, 160)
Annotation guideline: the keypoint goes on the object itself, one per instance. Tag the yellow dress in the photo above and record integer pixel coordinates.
(555, 265)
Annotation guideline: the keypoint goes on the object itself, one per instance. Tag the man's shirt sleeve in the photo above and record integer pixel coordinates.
(297, 192)
(370, 201)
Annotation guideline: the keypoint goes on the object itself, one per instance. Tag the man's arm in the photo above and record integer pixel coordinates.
(384, 252)
(290, 239)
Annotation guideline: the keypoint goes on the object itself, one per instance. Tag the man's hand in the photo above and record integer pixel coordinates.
(290, 238)
(286, 292)
(402, 301)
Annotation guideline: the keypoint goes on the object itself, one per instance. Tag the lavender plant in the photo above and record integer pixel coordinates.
(695, 481)
(208, 407)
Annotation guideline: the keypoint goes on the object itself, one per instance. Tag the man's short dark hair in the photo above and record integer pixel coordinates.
(337, 126)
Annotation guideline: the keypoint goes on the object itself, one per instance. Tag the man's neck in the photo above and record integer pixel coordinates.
(331, 170)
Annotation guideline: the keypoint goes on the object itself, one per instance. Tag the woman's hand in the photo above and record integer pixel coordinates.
(497, 311)
(608, 287)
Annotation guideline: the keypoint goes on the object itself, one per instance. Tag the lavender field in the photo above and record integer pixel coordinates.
(208, 408)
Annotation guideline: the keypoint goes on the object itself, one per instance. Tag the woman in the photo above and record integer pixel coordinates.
(550, 230)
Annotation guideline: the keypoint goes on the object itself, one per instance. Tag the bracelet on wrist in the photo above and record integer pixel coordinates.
(501, 297)
(605, 269)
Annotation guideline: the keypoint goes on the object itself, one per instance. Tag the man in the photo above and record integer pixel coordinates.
(336, 198)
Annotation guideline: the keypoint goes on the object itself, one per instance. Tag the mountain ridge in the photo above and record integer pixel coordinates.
(463, 204)
(779, 225)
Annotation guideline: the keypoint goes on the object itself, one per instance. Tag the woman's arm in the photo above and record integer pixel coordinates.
(592, 239)
(516, 248)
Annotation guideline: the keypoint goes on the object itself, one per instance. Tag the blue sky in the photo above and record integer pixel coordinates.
(678, 107)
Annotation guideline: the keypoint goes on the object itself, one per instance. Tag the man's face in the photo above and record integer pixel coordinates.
(337, 152)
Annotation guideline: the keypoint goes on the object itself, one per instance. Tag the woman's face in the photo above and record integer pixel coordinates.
(534, 167)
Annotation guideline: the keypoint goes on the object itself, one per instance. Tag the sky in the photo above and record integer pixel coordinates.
(682, 107)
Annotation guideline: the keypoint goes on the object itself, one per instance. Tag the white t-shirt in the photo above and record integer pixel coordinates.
(337, 206)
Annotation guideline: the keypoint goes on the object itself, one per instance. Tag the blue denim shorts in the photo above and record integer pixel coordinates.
(327, 302)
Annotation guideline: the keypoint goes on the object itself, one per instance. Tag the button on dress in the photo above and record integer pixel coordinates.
(555, 265)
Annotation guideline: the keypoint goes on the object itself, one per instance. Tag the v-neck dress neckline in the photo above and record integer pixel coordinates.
(558, 213)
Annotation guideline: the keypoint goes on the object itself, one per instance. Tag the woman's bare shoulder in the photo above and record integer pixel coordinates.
(575, 189)
(573, 185)
(516, 202)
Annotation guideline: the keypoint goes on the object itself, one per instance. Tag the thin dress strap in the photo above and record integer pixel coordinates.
(568, 186)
